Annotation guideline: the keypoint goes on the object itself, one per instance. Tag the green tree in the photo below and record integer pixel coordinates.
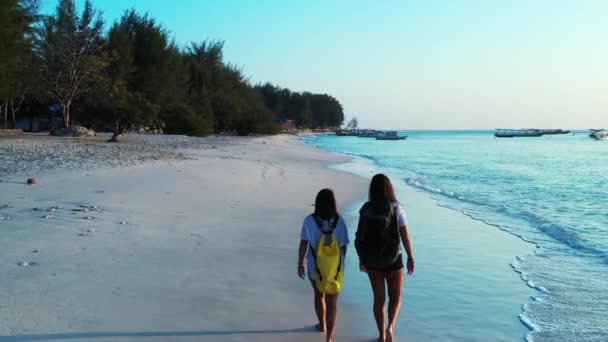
(307, 109)
(17, 63)
(147, 75)
(71, 50)
(353, 123)
(327, 111)
(204, 64)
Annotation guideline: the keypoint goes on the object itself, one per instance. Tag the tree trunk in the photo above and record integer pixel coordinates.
(117, 132)
(13, 114)
(65, 111)
(114, 137)
(6, 114)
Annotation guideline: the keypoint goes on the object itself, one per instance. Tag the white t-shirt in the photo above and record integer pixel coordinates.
(312, 234)
(401, 215)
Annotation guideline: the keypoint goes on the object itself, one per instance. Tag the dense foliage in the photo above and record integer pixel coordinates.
(133, 75)
(309, 110)
(17, 63)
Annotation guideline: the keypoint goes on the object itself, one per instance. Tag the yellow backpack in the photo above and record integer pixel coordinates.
(328, 257)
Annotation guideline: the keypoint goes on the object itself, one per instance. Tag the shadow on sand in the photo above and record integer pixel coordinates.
(98, 335)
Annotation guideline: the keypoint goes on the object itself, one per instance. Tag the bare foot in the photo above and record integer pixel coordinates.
(389, 335)
(320, 327)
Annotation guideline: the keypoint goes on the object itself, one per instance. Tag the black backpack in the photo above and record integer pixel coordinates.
(377, 238)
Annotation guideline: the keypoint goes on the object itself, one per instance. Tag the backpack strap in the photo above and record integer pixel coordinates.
(339, 265)
(314, 255)
(320, 223)
(333, 226)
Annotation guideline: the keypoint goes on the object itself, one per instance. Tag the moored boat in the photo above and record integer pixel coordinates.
(599, 134)
(554, 131)
(512, 133)
(592, 131)
(390, 135)
(367, 133)
(347, 132)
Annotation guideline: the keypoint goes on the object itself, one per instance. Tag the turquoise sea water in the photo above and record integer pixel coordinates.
(550, 191)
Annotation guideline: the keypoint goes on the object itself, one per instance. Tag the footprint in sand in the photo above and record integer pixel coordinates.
(199, 239)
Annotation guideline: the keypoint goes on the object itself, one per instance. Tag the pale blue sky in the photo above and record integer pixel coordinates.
(425, 64)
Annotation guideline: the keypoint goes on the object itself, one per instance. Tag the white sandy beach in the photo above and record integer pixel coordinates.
(207, 251)
(201, 246)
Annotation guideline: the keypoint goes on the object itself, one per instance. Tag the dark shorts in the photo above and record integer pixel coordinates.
(397, 265)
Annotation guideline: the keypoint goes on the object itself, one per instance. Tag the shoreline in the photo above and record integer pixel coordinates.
(515, 319)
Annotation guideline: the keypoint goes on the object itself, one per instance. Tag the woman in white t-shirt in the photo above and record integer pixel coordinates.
(382, 229)
(327, 214)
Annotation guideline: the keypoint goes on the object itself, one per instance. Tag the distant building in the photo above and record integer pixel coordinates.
(286, 125)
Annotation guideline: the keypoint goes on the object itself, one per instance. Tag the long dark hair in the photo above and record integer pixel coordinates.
(325, 205)
(381, 189)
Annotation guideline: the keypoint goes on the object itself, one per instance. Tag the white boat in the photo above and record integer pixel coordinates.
(390, 135)
(599, 134)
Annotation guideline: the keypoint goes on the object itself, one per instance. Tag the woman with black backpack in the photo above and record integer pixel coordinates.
(381, 230)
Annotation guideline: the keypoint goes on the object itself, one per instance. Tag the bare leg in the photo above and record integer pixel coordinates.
(377, 278)
(395, 285)
(319, 307)
(331, 302)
